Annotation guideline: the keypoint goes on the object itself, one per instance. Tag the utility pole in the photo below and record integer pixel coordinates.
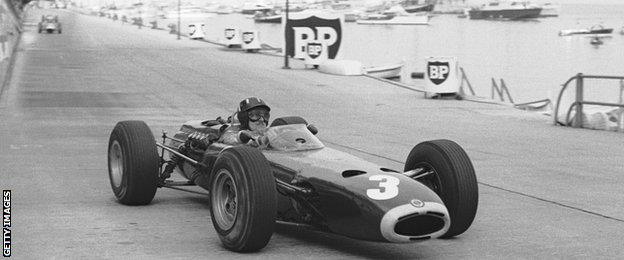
(285, 33)
(179, 29)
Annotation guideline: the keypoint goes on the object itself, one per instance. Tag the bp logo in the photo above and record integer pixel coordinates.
(437, 71)
(315, 49)
(302, 28)
(230, 33)
(248, 37)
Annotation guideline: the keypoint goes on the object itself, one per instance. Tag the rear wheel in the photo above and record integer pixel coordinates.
(444, 167)
(133, 163)
(243, 199)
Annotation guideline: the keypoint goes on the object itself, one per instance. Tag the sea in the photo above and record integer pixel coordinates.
(529, 55)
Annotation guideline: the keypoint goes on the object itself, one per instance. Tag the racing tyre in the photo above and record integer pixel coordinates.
(243, 199)
(445, 168)
(289, 120)
(133, 163)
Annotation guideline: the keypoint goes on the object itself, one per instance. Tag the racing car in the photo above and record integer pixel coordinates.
(49, 24)
(291, 177)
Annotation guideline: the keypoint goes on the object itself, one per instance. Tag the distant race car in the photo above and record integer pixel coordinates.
(49, 23)
(291, 177)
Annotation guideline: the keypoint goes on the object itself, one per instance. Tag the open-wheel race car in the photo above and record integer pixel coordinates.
(293, 178)
(50, 24)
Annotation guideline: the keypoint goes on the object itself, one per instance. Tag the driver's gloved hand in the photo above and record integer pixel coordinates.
(244, 137)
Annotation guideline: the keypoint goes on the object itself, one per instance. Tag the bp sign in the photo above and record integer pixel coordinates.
(250, 41)
(232, 37)
(316, 53)
(304, 27)
(441, 75)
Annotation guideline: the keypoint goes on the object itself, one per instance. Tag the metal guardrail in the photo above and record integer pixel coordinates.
(465, 79)
(501, 90)
(578, 104)
(535, 105)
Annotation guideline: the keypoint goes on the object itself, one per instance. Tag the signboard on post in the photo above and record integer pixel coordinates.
(316, 53)
(441, 75)
(232, 37)
(251, 42)
(304, 27)
(196, 31)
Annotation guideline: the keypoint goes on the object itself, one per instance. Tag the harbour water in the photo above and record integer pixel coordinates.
(529, 55)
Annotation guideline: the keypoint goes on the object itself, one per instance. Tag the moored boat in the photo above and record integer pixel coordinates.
(250, 8)
(596, 41)
(390, 71)
(276, 18)
(502, 10)
(415, 6)
(271, 16)
(596, 29)
(393, 19)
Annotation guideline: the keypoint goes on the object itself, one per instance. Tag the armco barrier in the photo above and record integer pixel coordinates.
(10, 28)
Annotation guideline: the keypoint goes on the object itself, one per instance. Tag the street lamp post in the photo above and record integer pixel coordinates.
(179, 29)
(285, 33)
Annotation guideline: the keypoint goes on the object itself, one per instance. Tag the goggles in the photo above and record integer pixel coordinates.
(256, 114)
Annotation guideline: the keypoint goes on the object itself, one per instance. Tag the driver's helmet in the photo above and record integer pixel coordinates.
(248, 104)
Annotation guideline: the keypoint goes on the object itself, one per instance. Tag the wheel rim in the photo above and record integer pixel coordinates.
(427, 175)
(225, 199)
(115, 164)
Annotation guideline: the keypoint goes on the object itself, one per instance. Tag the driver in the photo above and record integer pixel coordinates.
(253, 117)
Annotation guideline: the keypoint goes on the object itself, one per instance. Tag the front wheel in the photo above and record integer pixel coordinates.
(133, 163)
(243, 199)
(444, 167)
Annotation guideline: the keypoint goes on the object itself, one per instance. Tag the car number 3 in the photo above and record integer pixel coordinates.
(388, 187)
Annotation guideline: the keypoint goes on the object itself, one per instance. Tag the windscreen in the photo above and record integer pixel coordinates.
(295, 137)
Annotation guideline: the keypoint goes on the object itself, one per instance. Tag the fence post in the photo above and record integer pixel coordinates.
(578, 117)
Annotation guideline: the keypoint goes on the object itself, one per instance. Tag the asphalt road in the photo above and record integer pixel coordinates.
(545, 191)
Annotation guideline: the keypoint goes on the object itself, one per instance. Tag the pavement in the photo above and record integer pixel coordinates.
(545, 191)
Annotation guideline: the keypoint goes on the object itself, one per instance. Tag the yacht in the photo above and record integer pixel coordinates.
(504, 10)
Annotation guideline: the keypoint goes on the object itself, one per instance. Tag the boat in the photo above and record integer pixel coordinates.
(390, 71)
(596, 41)
(393, 19)
(225, 9)
(268, 17)
(251, 8)
(549, 10)
(353, 17)
(416, 6)
(503, 10)
(596, 29)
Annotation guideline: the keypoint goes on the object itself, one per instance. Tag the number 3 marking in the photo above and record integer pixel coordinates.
(389, 187)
